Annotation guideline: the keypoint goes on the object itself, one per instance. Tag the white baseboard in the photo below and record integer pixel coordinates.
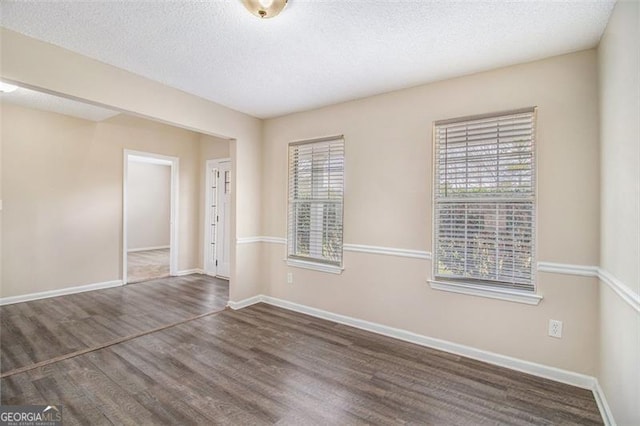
(78, 289)
(147, 249)
(246, 302)
(564, 376)
(603, 406)
(559, 375)
(189, 272)
(60, 292)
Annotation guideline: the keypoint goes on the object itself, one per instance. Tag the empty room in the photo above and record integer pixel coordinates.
(320, 212)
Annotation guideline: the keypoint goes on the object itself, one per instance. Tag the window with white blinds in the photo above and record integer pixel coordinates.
(316, 192)
(485, 200)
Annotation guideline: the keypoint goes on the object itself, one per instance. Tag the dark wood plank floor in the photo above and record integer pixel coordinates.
(265, 365)
(36, 331)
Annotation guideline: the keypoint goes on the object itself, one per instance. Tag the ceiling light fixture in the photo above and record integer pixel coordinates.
(7, 88)
(265, 8)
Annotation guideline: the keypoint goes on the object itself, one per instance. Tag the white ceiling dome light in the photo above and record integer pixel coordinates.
(315, 53)
(265, 8)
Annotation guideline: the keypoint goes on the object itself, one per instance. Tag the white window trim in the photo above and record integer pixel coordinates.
(526, 297)
(313, 264)
(316, 266)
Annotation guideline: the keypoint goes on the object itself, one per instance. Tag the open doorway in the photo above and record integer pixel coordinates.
(218, 218)
(150, 200)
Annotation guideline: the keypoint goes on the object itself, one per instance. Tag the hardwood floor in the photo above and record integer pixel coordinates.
(147, 265)
(44, 329)
(265, 365)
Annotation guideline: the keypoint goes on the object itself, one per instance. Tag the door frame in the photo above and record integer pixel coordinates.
(214, 163)
(174, 164)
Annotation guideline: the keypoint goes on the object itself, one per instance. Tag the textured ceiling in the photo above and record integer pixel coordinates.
(316, 52)
(43, 101)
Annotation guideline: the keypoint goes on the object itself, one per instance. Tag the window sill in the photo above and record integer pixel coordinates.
(481, 291)
(314, 266)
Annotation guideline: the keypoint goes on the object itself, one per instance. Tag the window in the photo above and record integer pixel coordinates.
(484, 201)
(316, 192)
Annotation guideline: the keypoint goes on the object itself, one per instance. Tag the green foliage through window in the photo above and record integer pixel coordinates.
(316, 191)
(485, 200)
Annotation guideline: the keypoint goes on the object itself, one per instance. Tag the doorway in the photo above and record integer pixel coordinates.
(149, 216)
(218, 218)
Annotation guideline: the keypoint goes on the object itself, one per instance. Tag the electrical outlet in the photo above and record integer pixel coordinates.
(289, 277)
(555, 328)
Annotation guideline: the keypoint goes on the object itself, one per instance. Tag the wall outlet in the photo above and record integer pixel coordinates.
(555, 328)
(289, 277)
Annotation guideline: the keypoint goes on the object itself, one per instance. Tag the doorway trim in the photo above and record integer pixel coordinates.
(153, 158)
(213, 163)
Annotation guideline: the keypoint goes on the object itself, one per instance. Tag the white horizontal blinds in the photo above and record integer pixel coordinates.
(485, 200)
(316, 192)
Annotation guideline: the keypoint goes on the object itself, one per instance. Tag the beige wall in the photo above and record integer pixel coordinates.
(212, 148)
(148, 205)
(619, 60)
(1, 210)
(62, 188)
(42, 66)
(49, 205)
(619, 56)
(388, 197)
(388, 203)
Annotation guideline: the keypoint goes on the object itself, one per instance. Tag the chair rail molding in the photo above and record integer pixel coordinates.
(628, 295)
(568, 269)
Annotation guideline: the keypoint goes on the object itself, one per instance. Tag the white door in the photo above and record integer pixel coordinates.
(211, 222)
(224, 219)
(218, 219)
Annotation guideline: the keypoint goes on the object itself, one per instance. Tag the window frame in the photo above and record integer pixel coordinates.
(317, 264)
(473, 286)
